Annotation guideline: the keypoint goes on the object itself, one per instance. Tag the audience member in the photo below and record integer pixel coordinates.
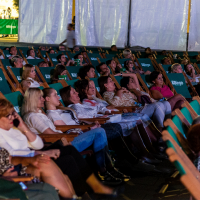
(16, 61)
(87, 70)
(62, 60)
(114, 48)
(160, 91)
(29, 77)
(31, 54)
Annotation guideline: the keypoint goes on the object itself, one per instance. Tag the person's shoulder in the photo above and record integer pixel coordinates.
(154, 87)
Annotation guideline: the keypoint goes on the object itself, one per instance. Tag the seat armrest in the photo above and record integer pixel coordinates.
(54, 137)
(100, 120)
(18, 178)
(65, 128)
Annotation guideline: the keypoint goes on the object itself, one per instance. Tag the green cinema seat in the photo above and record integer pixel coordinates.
(4, 87)
(47, 73)
(16, 99)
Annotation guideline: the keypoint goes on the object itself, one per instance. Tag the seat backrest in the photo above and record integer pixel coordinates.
(24, 50)
(122, 60)
(96, 83)
(6, 63)
(16, 99)
(146, 79)
(53, 57)
(94, 56)
(171, 132)
(34, 61)
(146, 64)
(57, 87)
(18, 73)
(73, 71)
(94, 63)
(72, 82)
(178, 82)
(181, 127)
(195, 105)
(4, 87)
(47, 72)
(6, 53)
(167, 68)
(187, 114)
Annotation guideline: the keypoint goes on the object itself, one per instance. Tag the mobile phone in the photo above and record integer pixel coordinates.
(24, 187)
(16, 122)
(17, 168)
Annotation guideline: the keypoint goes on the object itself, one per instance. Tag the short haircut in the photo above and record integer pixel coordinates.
(29, 51)
(174, 67)
(108, 62)
(71, 25)
(163, 60)
(41, 63)
(124, 82)
(98, 67)
(14, 59)
(59, 57)
(84, 70)
(113, 46)
(76, 56)
(11, 48)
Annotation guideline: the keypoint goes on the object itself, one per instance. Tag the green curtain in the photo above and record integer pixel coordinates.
(8, 26)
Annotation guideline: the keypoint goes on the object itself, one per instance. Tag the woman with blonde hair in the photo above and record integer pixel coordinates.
(28, 77)
(39, 123)
(16, 61)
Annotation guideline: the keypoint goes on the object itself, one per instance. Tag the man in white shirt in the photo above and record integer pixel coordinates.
(71, 42)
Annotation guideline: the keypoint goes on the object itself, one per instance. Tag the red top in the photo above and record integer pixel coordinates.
(165, 91)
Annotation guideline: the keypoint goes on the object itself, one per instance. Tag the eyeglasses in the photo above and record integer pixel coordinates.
(9, 116)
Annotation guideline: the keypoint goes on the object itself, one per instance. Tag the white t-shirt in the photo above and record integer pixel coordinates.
(1, 57)
(17, 143)
(70, 37)
(34, 84)
(58, 114)
(39, 122)
(30, 57)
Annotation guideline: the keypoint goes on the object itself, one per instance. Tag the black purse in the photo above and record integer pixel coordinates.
(144, 99)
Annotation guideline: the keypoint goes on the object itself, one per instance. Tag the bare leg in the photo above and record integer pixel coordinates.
(97, 186)
(51, 174)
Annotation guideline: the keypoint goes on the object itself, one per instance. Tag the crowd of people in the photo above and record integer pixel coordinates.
(134, 120)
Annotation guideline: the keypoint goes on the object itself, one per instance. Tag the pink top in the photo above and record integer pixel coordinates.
(165, 91)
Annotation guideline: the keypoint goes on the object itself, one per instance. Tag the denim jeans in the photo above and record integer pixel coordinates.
(155, 112)
(96, 137)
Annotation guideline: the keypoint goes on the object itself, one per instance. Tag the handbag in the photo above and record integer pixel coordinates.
(144, 99)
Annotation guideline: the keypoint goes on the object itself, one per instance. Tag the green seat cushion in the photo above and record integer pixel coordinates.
(4, 87)
(57, 87)
(146, 64)
(195, 105)
(178, 81)
(47, 72)
(16, 99)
